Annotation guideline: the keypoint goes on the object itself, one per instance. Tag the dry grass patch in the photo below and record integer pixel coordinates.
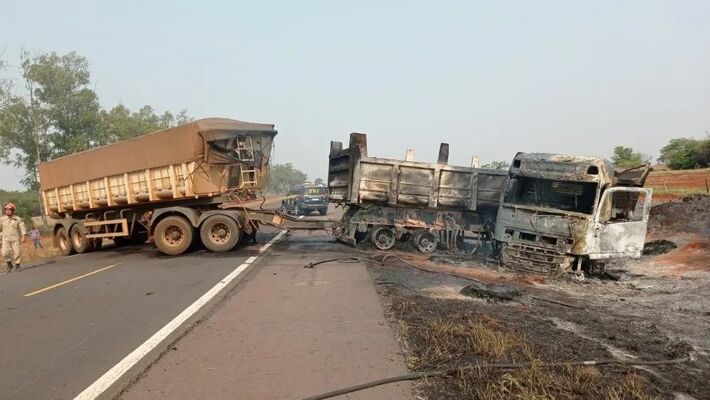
(439, 338)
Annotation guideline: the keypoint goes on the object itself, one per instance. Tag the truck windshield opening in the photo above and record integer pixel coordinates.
(548, 193)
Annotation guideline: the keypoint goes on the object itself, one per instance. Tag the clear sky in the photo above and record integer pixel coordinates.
(491, 78)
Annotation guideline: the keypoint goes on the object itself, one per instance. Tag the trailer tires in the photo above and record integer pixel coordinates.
(63, 242)
(383, 237)
(173, 235)
(219, 233)
(79, 241)
(425, 241)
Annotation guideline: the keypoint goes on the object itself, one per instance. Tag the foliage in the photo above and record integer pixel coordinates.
(120, 123)
(686, 153)
(284, 177)
(27, 203)
(5, 85)
(626, 157)
(496, 165)
(318, 181)
(60, 114)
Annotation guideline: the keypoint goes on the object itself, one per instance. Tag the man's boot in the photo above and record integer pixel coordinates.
(18, 268)
(9, 267)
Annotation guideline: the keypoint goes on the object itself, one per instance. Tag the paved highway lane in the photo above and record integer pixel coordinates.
(85, 313)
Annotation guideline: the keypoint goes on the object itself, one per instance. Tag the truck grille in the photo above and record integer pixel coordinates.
(534, 259)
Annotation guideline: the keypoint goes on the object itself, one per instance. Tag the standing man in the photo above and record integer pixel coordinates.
(13, 233)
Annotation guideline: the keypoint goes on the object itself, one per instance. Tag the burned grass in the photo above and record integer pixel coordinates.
(448, 334)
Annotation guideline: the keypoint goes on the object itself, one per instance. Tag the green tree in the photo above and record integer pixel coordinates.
(686, 153)
(27, 203)
(59, 114)
(318, 181)
(626, 157)
(120, 123)
(496, 165)
(284, 177)
(5, 84)
(59, 86)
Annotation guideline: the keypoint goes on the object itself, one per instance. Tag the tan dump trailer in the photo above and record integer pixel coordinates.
(168, 186)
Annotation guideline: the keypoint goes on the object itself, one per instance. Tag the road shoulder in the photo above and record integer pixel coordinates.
(289, 332)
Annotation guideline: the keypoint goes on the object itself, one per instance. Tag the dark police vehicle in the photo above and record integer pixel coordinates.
(305, 199)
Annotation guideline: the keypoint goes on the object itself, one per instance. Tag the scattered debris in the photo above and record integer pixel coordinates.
(490, 291)
(656, 247)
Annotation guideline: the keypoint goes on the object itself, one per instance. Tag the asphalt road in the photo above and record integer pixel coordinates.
(66, 322)
(55, 343)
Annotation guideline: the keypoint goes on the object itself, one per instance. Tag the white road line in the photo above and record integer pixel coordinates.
(301, 217)
(117, 371)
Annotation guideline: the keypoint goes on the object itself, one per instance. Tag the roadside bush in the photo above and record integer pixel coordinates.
(686, 153)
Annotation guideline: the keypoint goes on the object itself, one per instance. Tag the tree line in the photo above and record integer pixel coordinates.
(54, 111)
(679, 153)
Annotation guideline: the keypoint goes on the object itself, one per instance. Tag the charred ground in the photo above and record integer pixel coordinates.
(651, 308)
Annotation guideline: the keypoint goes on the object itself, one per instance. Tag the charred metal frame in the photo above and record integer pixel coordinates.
(409, 200)
(549, 239)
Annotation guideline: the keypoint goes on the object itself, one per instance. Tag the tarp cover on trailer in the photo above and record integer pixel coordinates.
(181, 144)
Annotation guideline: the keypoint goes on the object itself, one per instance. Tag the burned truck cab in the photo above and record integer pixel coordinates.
(559, 210)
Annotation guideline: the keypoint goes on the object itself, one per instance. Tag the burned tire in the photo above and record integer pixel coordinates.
(383, 237)
(63, 243)
(174, 235)
(79, 241)
(219, 233)
(425, 241)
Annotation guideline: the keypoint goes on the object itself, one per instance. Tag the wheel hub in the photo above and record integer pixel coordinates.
(425, 242)
(220, 233)
(173, 235)
(384, 238)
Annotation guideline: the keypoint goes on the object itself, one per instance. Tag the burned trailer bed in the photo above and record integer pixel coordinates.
(429, 204)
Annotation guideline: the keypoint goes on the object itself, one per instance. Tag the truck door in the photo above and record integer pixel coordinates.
(620, 222)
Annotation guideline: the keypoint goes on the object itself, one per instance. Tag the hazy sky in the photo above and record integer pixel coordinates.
(491, 78)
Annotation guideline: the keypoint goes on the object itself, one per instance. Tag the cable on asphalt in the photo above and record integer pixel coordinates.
(381, 263)
(442, 372)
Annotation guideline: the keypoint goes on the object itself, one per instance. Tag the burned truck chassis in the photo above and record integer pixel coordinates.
(425, 229)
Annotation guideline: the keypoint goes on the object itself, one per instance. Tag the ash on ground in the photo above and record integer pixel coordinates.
(655, 307)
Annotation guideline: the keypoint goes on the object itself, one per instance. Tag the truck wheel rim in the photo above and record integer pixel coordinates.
(76, 238)
(174, 236)
(220, 233)
(425, 242)
(383, 238)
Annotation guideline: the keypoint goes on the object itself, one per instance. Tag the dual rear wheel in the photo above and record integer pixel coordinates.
(385, 237)
(75, 241)
(174, 234)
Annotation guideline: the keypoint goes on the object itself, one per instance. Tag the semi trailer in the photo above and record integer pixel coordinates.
(429, 205)
(167, 186)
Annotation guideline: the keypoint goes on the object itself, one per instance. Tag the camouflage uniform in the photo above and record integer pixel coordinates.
(12, 230)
